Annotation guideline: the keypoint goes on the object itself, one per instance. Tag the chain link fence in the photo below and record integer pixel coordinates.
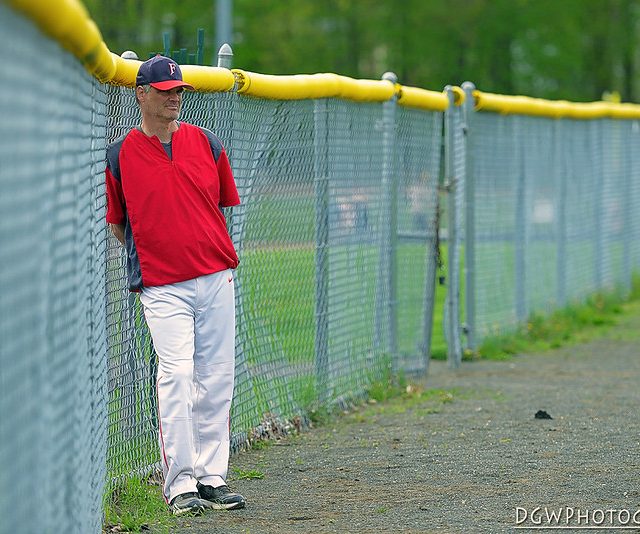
(53, 387)
(418, 157)
(337, 199)
(337, 234)
(548, 214)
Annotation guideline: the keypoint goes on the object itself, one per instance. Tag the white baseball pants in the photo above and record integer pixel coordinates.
(192, 325)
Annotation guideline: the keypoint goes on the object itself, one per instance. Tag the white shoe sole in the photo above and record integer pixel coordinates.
(198, 510)
(220, 506)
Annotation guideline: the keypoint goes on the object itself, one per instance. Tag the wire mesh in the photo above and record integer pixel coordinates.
(536, 225)
(131, 363)
(53, 375)
(553, 214)
(313, 299)
(358, 320)
(615, 216)
(418, 162)
(631, 196)
(272, 155)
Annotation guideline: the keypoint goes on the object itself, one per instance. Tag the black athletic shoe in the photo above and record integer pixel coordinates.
(187, 503)
(220, 498)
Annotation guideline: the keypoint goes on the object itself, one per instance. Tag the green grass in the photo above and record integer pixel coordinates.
(280, 298)
(409, 397)
(247, 474)
(280, 290)
(575, 323)
(137, 506)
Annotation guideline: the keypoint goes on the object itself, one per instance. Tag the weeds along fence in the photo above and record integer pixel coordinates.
(340, 182)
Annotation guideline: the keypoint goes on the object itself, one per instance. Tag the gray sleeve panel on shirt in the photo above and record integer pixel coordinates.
(134, 271)
(216, 144)
(113, 156)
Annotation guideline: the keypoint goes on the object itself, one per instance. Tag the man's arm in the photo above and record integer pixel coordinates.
(118, 231)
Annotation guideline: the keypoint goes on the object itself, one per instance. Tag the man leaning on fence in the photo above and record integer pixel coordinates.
(166, 182)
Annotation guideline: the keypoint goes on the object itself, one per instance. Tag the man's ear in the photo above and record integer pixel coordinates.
(139, 93)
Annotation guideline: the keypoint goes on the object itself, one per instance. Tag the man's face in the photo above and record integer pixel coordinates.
(160, 105)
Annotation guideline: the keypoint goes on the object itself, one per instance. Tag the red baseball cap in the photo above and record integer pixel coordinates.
(162, 73)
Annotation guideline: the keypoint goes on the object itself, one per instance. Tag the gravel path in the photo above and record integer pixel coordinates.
(464, 452)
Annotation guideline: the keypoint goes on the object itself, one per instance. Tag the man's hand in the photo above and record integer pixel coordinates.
(118, 231)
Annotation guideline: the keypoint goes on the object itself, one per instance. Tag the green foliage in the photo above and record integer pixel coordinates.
(384, 384)
(572, 49)
(247, 474)
(381, 391)
(320, 415)
(260, 444)
(137, 506)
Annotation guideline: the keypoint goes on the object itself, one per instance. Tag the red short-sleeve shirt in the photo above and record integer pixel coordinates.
(170, 207)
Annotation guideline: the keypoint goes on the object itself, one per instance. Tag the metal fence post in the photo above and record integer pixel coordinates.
(560, 157)
(597, 150)
(221, 123)
(224, 128)
(224, 21)
(225, 60)
(129, 54)
(627, 187)
(454, 351)
(520, 228)
(390, 187)
(469, 213)
(321, 184)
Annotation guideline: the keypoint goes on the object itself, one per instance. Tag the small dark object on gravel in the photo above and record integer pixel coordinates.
(541, 414)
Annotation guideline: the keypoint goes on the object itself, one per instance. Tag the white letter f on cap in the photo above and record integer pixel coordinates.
(172, 68)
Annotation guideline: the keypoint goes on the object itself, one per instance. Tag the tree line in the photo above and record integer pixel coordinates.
(570, 49)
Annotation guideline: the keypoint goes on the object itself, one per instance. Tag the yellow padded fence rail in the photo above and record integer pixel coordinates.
(525, 105)
(303, 86)
(69, 23)
(329, 85)
(422, 98)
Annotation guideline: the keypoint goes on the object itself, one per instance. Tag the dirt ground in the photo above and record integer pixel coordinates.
(468, 455)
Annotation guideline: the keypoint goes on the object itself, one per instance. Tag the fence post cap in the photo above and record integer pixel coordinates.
(390, 76)
(225, 56)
